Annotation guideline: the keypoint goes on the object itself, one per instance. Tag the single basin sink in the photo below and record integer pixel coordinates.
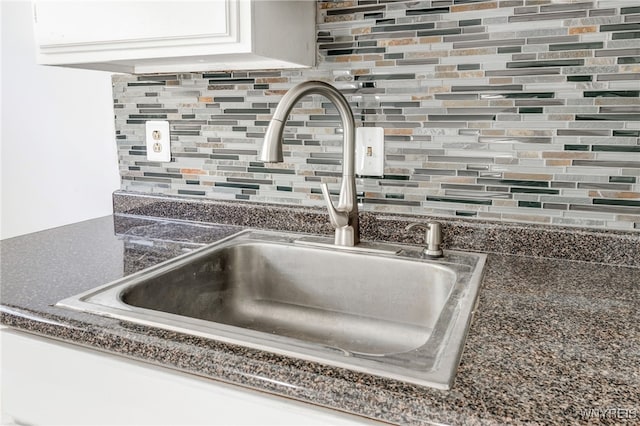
(378, 308)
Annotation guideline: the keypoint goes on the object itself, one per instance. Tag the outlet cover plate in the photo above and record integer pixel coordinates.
(158, 140)
(370, 151)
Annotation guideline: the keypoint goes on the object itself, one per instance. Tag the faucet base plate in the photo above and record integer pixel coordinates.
(363, 247)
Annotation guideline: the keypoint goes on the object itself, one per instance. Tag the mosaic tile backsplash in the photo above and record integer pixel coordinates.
(510, 110)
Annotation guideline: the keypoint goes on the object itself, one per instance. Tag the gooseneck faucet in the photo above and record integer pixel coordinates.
(344, 216)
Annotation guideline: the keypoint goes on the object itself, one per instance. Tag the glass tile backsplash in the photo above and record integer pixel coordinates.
(512, 110)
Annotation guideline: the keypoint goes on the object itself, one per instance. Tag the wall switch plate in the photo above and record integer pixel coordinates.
(158, 141)
(370, 151)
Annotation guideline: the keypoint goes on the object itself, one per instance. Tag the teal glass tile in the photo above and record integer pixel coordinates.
(369, 177)
(561, 184)
(530, 110)
(608, 117)
(570, 147)
(231, 81)
(392, 202)
(535, 204)
(236, 185)
(469, 22)
(223, 157)
(146, 83)
(534, 191)
(396, 177)
(626, 35)
(629, 60)
(191, 192)
(217, 75)
(403, 27)
(616, 148)
(326, 161)
(620, 27)
(514, 182)
(622, 179)
(627, 10)
(552, 63)
(464, 213)
(228, 99)
(612, 93)
(486, 88)
(371, 77)
(270, 170)
(460, 200)
(148, 116)
(627, 133)
(444, 31)
(616, 202)
(427, 11)
(164, 175)
(466, 67)
(523, 95)
(319, 191)
(607, 163)
(510, 49)
(576, 46)
(579, 78)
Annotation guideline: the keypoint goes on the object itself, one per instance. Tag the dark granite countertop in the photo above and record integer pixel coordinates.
(553, 341)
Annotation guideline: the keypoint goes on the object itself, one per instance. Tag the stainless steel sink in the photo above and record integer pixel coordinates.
(376, 308)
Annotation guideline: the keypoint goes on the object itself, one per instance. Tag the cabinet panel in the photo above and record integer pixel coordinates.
(48, 382)
(98, 22)
(175, 36)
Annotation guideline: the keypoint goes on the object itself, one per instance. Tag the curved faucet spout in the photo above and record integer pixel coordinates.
(344, 216)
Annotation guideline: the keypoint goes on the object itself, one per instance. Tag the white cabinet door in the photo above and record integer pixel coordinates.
(45, 382)
(92, 23)
(143, 36)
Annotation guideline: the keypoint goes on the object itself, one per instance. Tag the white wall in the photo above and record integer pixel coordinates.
(58, 150)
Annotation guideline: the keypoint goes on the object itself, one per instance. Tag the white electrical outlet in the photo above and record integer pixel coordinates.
(370, 151)
(158, 141)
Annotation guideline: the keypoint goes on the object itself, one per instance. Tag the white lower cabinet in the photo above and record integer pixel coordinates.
(47, 382)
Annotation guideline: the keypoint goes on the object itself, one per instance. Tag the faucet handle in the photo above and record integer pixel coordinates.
(432, 238)
(338, 219)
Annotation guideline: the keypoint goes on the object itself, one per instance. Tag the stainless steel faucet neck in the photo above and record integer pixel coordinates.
(344, 216)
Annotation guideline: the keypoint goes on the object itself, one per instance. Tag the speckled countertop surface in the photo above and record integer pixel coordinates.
(553, 341)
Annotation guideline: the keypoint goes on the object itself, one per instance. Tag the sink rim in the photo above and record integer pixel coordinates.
(442, 351)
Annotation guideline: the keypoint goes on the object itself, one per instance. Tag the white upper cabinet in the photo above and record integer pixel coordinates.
(175, 36)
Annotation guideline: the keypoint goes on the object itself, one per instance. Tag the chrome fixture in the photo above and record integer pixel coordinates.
(344, 216)
(432, 237)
